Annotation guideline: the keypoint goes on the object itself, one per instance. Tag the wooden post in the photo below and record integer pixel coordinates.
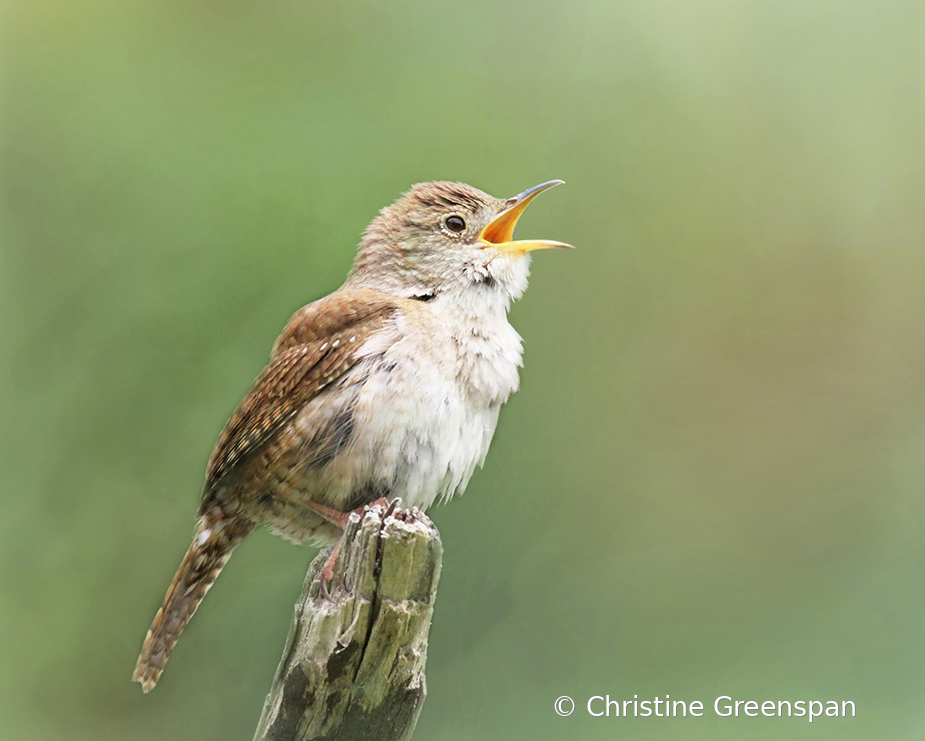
(353, 666)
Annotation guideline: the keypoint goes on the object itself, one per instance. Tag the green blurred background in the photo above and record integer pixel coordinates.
(713, 479)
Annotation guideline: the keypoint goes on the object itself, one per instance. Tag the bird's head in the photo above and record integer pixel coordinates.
(445, 237)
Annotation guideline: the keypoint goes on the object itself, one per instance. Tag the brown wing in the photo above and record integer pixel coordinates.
(319, 344)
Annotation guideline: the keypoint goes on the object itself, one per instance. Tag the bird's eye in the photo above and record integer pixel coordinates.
(455, 224)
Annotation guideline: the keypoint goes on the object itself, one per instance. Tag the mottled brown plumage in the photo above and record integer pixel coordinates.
(317, 346)
(389, 387)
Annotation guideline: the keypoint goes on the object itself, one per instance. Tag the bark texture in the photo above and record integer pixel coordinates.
(353, 666)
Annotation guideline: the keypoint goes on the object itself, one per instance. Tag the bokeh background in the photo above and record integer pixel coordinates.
(712, 481)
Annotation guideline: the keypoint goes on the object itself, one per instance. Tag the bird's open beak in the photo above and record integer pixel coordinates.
(500, 231)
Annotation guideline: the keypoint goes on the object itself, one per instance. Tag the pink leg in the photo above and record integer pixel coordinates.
(327, 571)
(338, 519)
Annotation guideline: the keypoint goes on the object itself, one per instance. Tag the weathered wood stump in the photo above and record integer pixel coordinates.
(353, 666)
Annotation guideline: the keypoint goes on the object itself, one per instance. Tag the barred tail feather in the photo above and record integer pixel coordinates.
(211, 548)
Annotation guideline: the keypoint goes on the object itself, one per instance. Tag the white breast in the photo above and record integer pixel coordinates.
(425, 416)
(425, 403)
(432, 415)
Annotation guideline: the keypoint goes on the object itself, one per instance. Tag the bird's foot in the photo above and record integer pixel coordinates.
(340, 519)
(327, 571)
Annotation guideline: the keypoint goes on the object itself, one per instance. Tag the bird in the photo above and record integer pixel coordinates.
(388, 388)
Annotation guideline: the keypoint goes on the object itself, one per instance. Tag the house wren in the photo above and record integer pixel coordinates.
(389, 387)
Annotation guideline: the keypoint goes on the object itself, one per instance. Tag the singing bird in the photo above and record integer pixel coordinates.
(389, 387)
